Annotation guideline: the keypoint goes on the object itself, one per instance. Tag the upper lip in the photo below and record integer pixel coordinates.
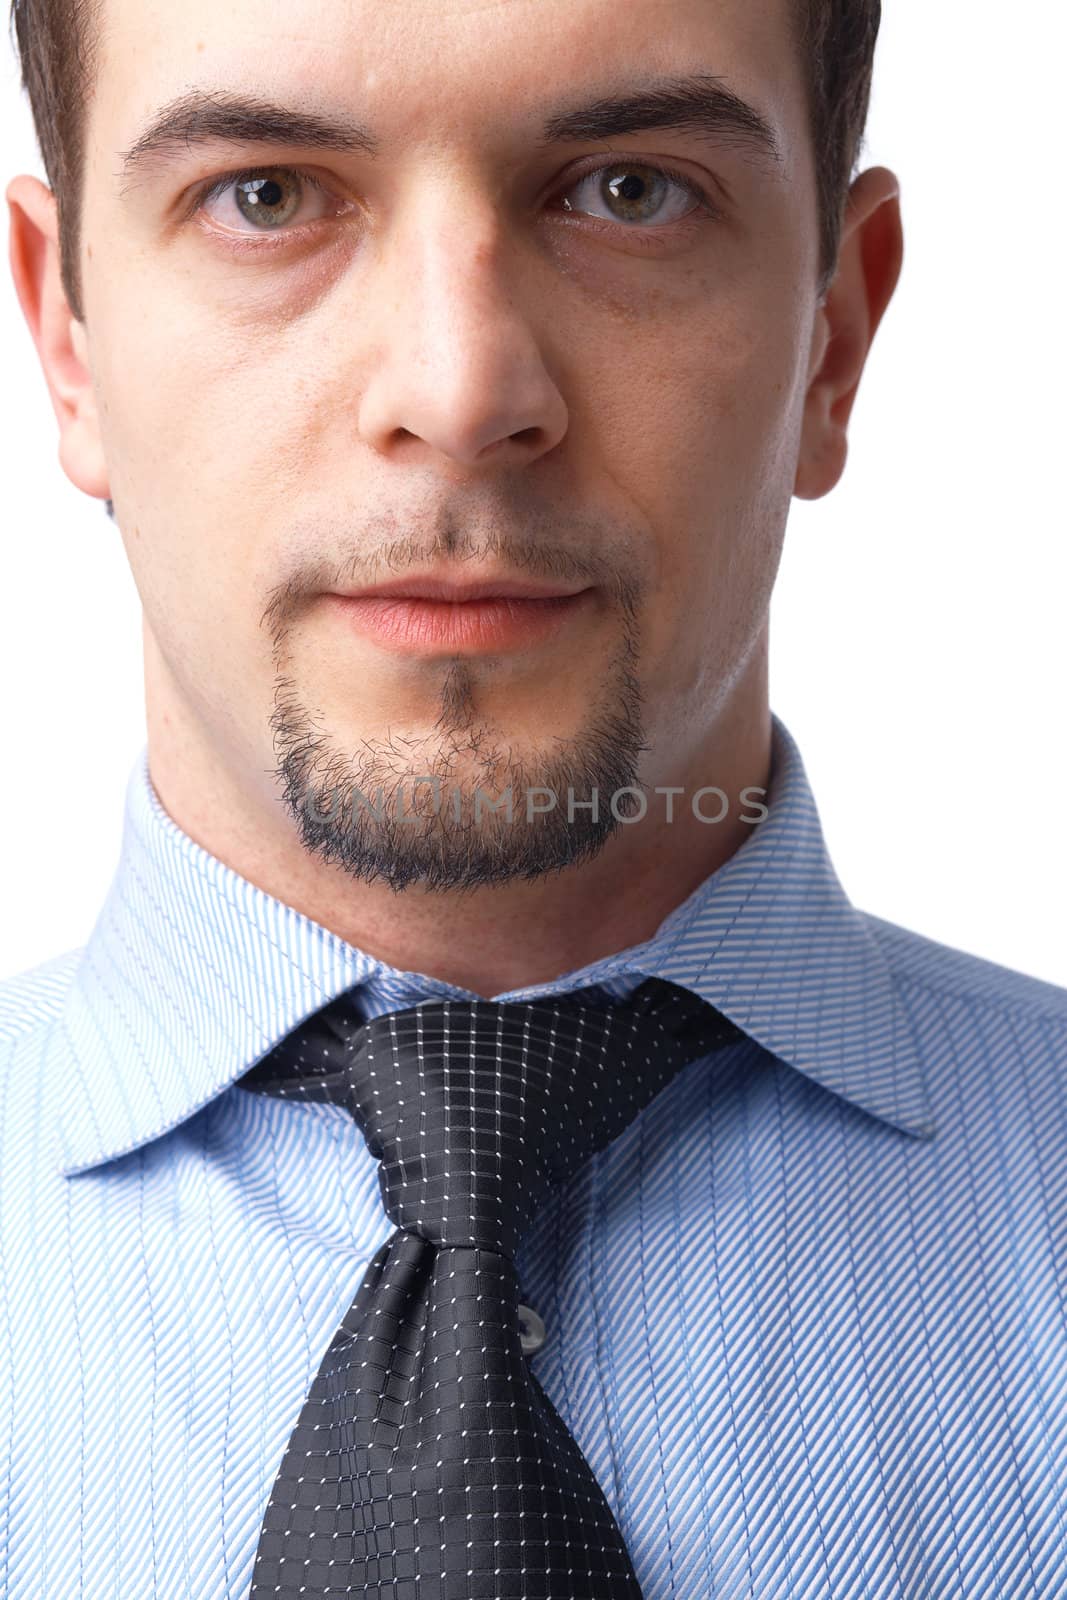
(439, 588)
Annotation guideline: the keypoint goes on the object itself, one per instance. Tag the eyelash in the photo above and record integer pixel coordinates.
(704, 209)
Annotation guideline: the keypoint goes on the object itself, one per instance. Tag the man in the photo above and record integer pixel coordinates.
(658, 1224)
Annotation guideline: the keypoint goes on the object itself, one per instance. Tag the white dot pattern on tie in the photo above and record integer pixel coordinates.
(427, 1462)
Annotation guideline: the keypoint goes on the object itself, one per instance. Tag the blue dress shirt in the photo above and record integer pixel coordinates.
(805, 1316)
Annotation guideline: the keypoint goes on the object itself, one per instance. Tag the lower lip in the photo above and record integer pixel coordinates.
(435, 625)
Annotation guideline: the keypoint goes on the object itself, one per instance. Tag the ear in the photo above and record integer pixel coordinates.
(60, 339)
(868, 269)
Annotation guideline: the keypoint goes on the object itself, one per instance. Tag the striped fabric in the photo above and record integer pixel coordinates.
(805, 1317)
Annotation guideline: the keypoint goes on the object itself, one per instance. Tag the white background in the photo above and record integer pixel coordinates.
(919, 654)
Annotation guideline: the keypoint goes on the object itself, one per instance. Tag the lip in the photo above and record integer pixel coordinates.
(426, 625)
(431, 586)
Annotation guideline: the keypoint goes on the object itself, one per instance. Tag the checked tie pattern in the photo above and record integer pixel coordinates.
(427, 1462)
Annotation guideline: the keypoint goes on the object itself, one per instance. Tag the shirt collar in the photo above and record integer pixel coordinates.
(192, 973)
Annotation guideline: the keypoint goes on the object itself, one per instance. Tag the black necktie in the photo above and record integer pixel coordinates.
(427, 1462)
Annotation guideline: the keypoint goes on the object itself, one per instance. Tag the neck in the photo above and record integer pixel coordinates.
(497, 938)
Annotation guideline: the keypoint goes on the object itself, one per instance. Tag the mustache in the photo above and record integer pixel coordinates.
(616, 566)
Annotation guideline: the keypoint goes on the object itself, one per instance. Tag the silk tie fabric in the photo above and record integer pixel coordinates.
(427, 1462)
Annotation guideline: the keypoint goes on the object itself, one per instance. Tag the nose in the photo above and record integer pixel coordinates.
(457, 376)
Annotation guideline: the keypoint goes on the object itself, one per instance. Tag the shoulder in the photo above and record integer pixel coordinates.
(923, 964)
(36, 995)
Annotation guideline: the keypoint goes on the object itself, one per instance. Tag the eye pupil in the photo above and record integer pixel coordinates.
(268, 192)
(261, 191)
(628, 188)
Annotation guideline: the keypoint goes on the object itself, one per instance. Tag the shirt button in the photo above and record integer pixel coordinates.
(531, 1331)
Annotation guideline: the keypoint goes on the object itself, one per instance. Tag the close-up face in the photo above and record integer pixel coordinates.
(477, 335)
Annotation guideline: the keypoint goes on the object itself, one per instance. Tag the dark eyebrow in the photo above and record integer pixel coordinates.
(205, 116)
(697, 104)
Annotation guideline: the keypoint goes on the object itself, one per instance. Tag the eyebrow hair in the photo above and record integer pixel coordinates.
(697, 104)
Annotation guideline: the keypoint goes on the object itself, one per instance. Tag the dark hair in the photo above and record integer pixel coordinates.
(57, 43)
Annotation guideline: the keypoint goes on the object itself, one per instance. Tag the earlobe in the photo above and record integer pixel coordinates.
(60, 340)
(868, 270)
(831, 390)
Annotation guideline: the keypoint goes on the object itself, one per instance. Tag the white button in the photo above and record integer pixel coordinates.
(531, 1331)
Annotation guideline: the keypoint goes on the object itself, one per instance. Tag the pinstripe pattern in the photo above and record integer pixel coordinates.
(805, 1317)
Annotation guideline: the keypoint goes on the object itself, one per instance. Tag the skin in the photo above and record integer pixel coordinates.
(456, 353)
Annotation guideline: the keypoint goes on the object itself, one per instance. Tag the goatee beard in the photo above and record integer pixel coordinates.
(376, 816)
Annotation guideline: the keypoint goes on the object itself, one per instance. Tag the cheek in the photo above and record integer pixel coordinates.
(742, 383)
(214, 444)
(705, 442)
(195, 389)
(186, 433)
(706, 435)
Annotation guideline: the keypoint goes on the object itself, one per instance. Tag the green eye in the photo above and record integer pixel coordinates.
(636, 192)
(264, 200)
(267, 198)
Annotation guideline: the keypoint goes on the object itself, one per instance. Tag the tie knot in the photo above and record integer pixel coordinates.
(475, 1109)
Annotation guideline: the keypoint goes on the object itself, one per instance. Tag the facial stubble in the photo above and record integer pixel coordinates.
(429, 810)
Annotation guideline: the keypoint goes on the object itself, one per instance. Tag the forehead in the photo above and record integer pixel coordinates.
(437, 73)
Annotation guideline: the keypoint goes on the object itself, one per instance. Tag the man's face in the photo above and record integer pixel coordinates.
(474, 349)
